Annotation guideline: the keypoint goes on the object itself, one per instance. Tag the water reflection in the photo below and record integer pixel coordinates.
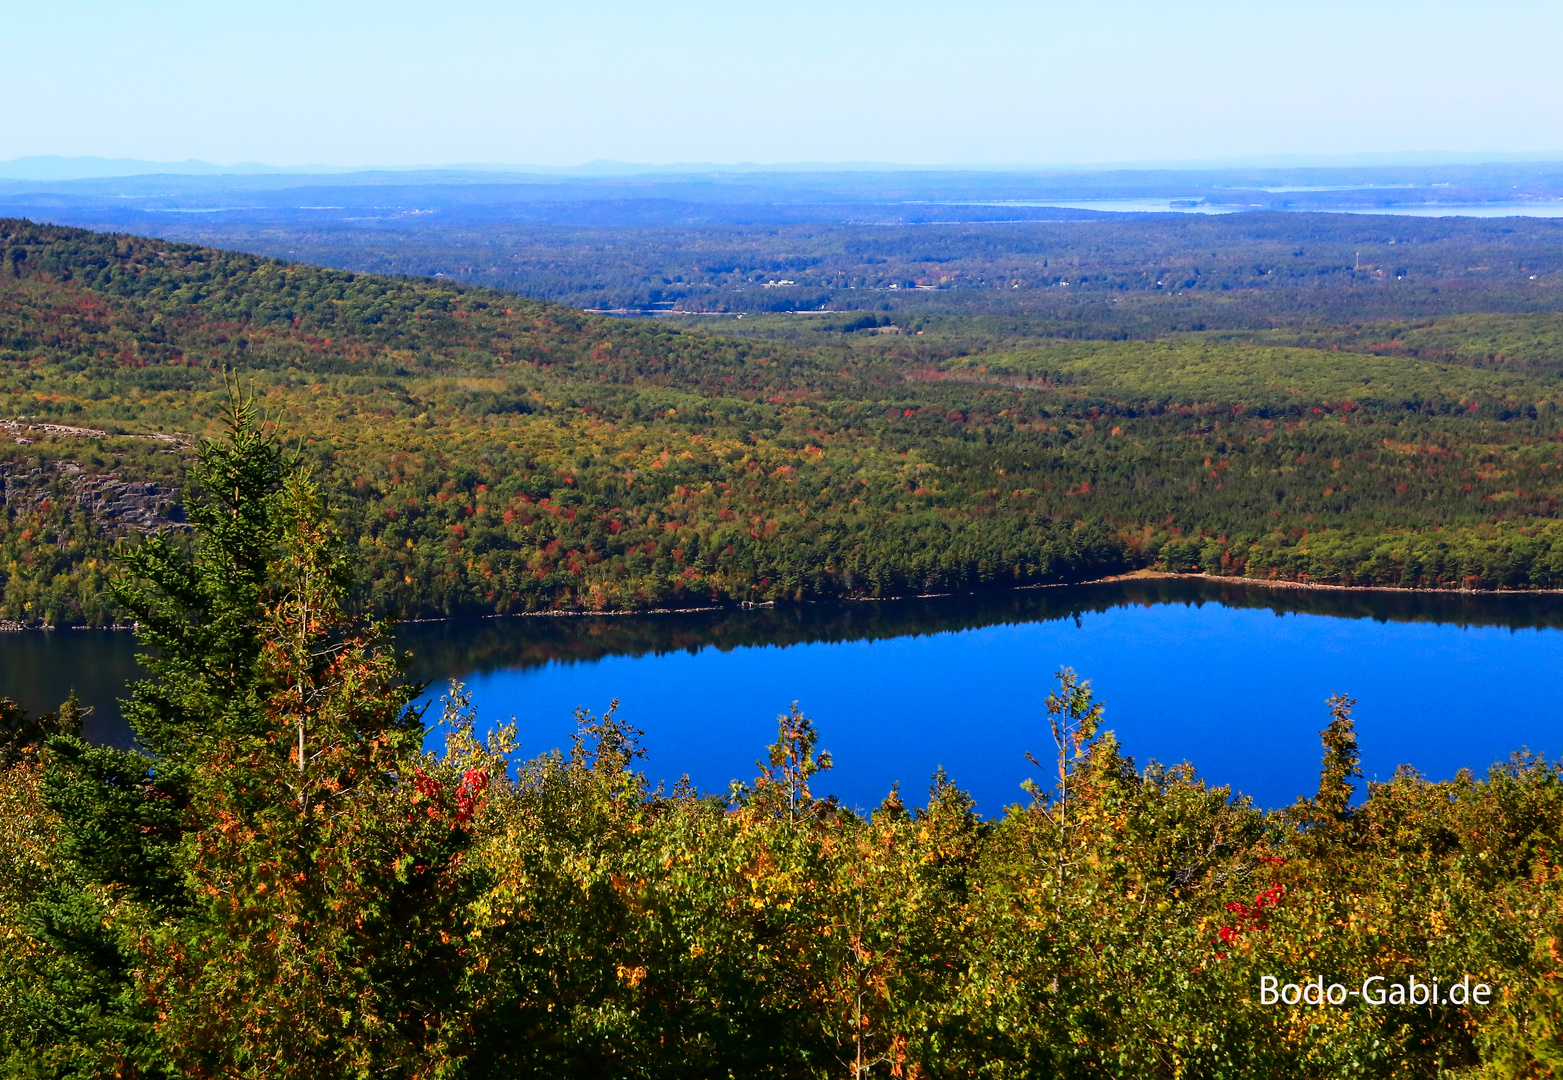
(442, 649)
(1230, 677)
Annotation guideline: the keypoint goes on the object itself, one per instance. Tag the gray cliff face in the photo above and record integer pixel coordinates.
(143, 506)
(118, 505)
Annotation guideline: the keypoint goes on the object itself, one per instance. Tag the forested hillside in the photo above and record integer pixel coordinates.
(485, 452)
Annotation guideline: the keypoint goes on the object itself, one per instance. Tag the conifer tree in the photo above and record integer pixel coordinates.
(282, 861)
(198, 612)
(123, 813)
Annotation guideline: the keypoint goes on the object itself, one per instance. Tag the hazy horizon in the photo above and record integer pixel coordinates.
(53, 167)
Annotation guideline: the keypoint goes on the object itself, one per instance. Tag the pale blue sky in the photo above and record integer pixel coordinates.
(983, 81)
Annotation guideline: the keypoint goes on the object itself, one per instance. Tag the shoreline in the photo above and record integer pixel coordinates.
(7, 627)
(1281, 583)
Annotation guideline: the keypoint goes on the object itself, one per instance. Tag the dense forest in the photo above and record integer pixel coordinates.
(485, 452)
(281, 881)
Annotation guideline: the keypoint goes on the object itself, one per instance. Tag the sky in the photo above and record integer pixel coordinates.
(354, 82)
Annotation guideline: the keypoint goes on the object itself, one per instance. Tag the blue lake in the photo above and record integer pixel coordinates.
(1231, 678)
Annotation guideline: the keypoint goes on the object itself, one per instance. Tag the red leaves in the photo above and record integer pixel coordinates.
(474, 782)
(462, 804)
(1252, 916)
(428, 790)
(1265, 900)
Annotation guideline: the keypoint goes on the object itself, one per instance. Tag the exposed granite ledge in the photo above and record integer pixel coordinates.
(121, 505)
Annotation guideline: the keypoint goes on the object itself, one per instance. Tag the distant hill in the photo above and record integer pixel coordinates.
(485, 452)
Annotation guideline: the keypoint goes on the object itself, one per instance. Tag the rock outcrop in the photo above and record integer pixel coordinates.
(120, 505)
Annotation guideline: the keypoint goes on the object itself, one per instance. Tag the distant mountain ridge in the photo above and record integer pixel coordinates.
(51, 168)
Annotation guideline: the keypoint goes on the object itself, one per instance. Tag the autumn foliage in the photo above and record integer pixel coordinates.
(282, 882)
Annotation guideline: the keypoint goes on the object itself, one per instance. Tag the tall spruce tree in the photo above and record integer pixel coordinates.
(278, 864)
(123, 813)
(199, 612)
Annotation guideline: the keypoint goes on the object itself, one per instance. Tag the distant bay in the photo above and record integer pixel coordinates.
(1549, 208)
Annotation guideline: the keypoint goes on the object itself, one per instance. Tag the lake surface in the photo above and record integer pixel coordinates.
(1232, 678)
